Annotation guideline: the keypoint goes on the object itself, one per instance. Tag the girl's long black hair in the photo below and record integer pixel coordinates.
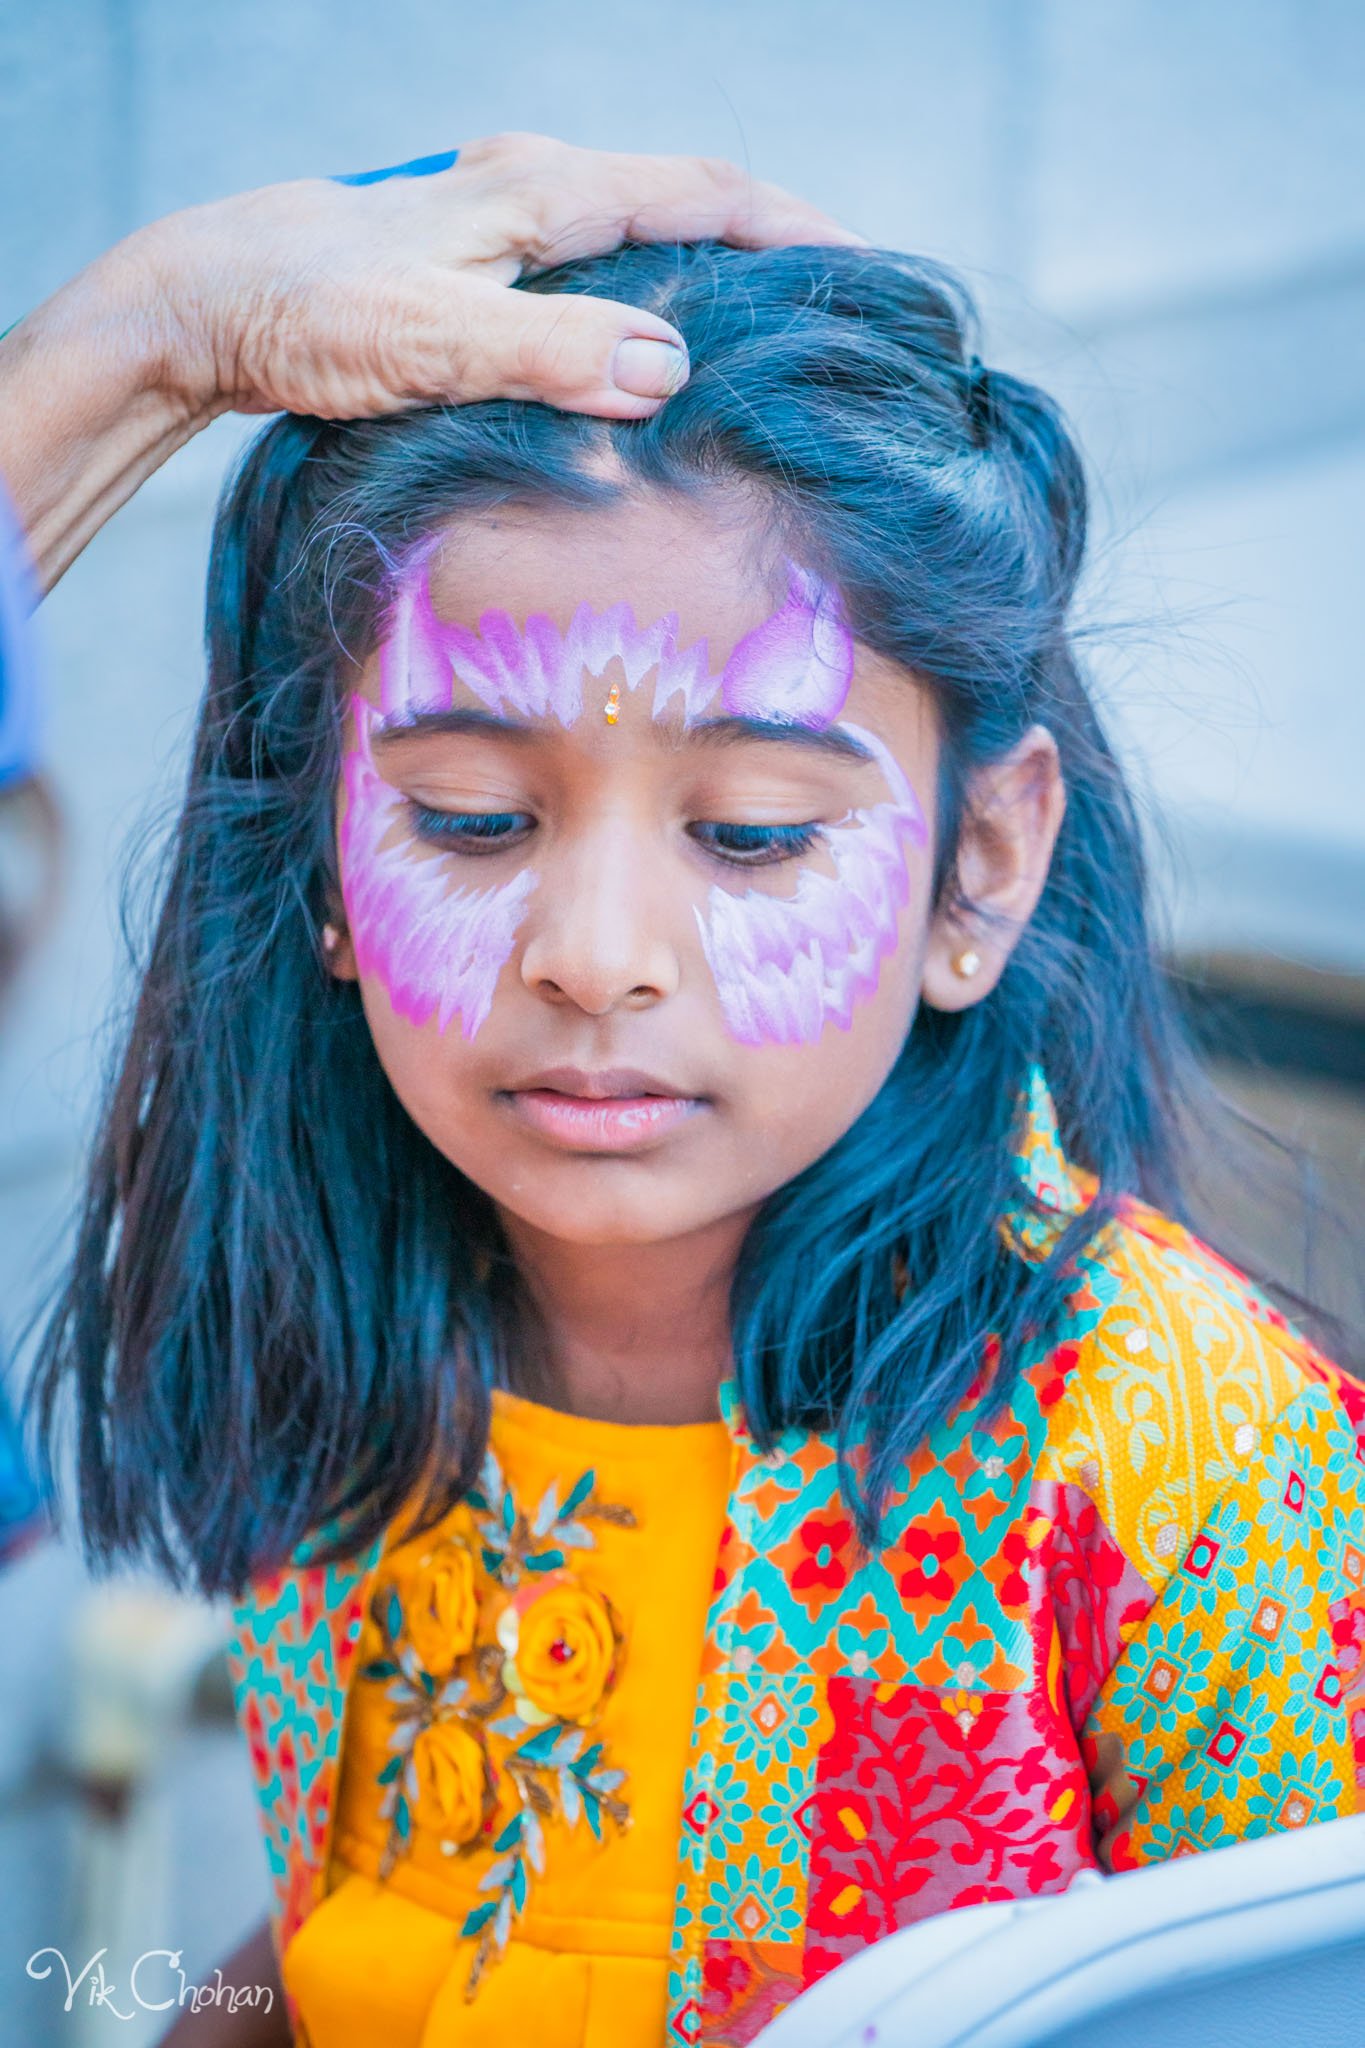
(285, 1305)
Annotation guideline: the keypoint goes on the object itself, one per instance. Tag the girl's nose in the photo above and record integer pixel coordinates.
(599, 940)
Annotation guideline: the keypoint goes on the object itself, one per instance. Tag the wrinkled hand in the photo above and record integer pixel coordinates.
(349, 301)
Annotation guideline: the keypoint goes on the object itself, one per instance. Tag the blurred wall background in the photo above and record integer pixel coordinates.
(1162, 206)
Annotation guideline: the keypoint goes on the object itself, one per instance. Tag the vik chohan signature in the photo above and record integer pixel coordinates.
(156, 1983)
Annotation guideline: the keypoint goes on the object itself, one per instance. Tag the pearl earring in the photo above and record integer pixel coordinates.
(331, 938)
(966, 964)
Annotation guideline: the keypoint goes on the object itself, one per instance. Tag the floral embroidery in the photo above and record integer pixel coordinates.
(441, 1612)
(495, 1698)
(559, 1645)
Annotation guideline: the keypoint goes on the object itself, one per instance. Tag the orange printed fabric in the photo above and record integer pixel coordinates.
(1238, 1707)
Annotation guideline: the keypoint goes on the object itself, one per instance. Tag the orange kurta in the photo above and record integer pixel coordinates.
(586, 1963)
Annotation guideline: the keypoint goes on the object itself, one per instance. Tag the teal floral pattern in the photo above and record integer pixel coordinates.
(1162, 1674)
(771, 1719)
(757, 1899)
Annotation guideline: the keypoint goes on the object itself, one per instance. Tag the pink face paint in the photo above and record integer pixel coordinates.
(414, 668)
(531, 671)
(537, 671)
(438, 950)
(798, 665)
(786, 966)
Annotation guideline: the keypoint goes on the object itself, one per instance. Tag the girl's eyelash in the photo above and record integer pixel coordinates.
(749, 846)
(754, 846)
(470, 831)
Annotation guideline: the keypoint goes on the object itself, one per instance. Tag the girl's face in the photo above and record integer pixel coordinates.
(636, 853)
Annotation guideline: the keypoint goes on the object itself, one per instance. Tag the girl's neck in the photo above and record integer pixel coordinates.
(628, 1333)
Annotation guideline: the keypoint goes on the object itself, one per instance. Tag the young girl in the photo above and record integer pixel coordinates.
(633, 1231)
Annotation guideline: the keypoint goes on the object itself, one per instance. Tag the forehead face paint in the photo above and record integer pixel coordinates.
(438, 950)
(797, 666)
(783, 966)
(535, 671)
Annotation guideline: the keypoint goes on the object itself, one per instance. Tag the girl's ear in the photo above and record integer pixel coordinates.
(337, 949)
(1011, 818)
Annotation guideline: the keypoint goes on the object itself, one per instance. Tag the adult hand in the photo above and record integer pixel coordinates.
(324, 297)
(351, 300)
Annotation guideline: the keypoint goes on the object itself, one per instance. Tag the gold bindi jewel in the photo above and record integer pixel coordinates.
(611, 710)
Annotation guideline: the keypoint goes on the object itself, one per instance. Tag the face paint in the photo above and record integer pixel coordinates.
(535, 671)
(786, 966)
(414, 668)
(798, 664)
(437, 950)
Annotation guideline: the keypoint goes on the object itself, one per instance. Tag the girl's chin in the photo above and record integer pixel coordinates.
(605, 1218)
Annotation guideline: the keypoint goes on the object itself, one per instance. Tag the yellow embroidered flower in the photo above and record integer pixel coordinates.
(559, 1650)
(440, 1605)
(452, 1780)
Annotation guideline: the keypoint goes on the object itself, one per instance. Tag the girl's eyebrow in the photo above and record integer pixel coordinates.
(729, 729)
(408, 724)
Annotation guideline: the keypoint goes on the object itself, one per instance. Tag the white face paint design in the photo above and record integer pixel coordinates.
(784, 966)
(438, 950)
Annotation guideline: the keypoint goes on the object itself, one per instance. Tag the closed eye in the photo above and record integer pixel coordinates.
(475, 832)
(754, 846)
(482, 832)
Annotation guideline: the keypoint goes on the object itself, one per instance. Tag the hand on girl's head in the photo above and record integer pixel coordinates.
(575, 868)
(354, 297)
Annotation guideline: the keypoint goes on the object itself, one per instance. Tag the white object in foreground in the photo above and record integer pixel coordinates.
(1258, 1946)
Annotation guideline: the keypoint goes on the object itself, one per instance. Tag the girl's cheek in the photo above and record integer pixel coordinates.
(438, 951)
(787, 966)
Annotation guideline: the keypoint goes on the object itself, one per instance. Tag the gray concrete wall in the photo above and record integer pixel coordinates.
(1162, 203)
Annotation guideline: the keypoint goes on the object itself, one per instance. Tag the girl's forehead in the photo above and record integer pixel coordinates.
(713, 564)
(683, 612)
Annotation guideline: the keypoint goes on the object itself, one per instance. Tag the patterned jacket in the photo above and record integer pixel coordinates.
(1121, 1621)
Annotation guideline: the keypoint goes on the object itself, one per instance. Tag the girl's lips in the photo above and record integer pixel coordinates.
(611, 1123)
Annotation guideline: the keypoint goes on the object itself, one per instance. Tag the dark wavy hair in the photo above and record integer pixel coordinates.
(285, 1305)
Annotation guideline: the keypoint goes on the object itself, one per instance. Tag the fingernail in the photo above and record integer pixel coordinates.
(649, 369)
